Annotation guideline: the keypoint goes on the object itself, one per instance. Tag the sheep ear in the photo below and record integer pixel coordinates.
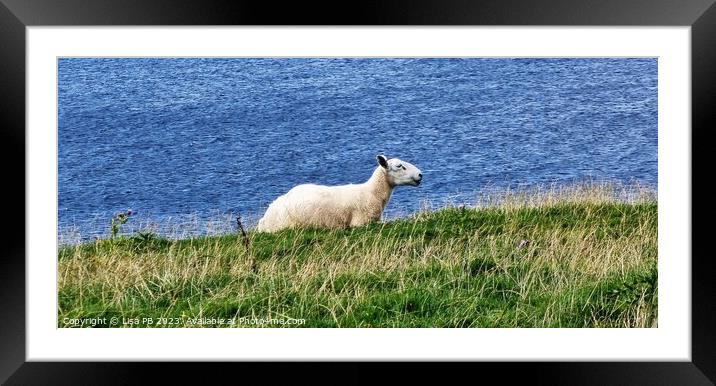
(382, 161)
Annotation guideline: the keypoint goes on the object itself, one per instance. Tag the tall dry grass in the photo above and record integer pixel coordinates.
(578, 256)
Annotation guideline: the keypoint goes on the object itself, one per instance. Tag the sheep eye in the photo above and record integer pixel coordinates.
(402, 166)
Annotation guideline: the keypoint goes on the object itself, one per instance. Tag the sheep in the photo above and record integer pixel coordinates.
(343, 206)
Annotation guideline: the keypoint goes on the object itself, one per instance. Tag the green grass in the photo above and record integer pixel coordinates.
(588, 263)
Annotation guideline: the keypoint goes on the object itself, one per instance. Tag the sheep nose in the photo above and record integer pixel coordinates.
(420, 175)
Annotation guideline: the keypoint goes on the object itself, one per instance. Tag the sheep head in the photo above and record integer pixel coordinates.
(399, 172)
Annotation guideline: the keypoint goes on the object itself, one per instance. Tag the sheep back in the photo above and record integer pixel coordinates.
(311, 205)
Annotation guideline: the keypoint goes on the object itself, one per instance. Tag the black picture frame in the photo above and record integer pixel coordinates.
(16, 15)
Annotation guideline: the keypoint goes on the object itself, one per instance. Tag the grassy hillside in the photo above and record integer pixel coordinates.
(536, 261)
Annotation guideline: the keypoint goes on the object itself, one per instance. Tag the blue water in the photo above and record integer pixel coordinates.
(205, 138)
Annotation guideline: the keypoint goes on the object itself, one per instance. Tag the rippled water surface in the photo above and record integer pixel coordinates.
(195, 141)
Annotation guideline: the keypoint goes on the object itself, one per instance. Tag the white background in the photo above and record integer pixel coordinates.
(670, 341)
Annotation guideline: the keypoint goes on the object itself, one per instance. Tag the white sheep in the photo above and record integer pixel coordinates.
(342, 206)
